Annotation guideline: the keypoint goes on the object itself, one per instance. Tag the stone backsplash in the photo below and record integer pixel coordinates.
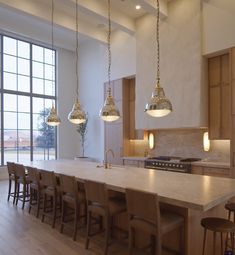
(183, 143)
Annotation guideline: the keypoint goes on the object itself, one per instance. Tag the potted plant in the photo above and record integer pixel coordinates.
(82, 130)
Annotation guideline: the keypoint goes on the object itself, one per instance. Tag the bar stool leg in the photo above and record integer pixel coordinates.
(107, 233)
(204, 241)
(221, 240)
(9, 190)
(77, 216)
(38, 202)
(62, 216)
(24, 195)
(88, 229)
(15, 192)
(54, 210)
(214, 242)
(232, 240)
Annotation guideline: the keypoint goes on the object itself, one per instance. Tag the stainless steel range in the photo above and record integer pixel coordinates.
(174, 164)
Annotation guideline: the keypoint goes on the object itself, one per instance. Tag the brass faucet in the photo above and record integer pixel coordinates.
(106, 164)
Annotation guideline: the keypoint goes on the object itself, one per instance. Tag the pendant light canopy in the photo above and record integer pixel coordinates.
(109, 112)
(77, 115)
(52, 119)
(158, 105)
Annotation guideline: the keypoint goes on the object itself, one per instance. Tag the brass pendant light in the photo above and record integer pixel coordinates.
(109, 112)
(159, 105)
(52, 119)
(77, 115)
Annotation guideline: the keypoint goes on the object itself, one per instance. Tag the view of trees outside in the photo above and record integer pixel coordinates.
(28, 90)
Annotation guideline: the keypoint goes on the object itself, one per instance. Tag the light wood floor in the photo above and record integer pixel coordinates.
(22, 233)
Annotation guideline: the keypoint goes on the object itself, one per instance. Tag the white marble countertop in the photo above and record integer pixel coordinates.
(135, 158)
(185, 190)
(214, 164)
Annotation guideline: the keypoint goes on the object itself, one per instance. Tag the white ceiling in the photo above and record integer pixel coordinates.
(92, 16)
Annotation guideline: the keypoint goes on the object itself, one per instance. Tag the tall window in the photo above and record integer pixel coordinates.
(27, 90)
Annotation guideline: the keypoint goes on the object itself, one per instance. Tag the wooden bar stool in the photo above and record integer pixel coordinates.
(72, 197)
(99, 203)
(220, 225)
(231, 209)
(35, 189)
(12, 178)
(49, 190)
(144, 215)
(21, 179)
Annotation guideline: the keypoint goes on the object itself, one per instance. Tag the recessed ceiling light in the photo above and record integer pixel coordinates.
(137, 7)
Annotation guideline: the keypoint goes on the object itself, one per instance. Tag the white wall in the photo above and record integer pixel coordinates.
(218, 25)
(93, 74)
(68, 138)
(180, 66)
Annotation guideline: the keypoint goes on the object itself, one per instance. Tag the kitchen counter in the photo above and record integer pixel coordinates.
(215, 164)
(192, 196)
(184, 190)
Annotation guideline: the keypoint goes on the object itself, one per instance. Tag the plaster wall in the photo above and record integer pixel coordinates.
(218, 25)
(181, 74)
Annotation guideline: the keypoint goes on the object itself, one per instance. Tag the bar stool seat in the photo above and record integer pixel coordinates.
(230, 207)
(218, 225)
(145, 216)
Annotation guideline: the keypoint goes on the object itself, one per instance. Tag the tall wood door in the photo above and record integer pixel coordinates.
(219, 97)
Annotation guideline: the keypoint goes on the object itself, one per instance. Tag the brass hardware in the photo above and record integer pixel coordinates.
(106, 164)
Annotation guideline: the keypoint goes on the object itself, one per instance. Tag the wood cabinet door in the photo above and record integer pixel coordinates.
(219, 172)
(214, 112)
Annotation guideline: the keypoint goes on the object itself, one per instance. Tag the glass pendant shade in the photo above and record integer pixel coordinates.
(159, 105)
(53, 119)
(109, 112)
(77, 116)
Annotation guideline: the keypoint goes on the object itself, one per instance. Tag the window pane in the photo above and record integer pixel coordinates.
(37, 53)
(38, 86)
(9, 45)
(48, 103)
(23, 104)
(10, 120)
(10, 145)
(50, 88)
(37, 70)
(23, 66)
(23, 83)
(23, 49)
(49, 72)
(10, 102)
(23, 121)
(36, 121)
(9, 81)
(9, 64)
(49, 56)
(38, 105)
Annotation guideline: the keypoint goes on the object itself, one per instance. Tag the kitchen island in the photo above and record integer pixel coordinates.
(192, 196)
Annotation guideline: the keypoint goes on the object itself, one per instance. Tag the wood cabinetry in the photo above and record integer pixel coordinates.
(211, 171)
(117, 132)
(219, 97)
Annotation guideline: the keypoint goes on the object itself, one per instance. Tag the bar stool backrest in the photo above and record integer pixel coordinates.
(96, 192)
(48, 178)
(33, 174)
(143, 205)
(68, 184)
(11, 168)
(19, 171)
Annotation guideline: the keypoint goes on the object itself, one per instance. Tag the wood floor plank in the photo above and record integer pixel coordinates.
(22, 233)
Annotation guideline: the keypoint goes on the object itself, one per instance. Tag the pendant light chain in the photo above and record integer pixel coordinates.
(52, 38)
(109, 47)
(77, 78)
(158, 44)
